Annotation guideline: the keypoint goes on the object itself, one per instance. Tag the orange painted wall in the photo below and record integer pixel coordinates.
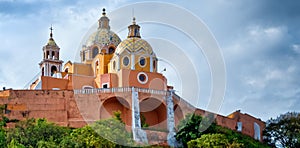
(130, 78)
(50, 82)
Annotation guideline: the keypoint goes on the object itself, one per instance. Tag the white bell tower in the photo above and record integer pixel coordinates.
(50, 64)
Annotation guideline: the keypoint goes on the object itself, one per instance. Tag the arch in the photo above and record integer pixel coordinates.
(155, 113)
(53, 55)
(111, 50)
(178, 114)
(87, 87)
(110, 105)
(47, 54)
(53, 70)
(95, 51)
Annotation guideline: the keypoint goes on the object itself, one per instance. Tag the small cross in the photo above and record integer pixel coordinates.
(51, 31)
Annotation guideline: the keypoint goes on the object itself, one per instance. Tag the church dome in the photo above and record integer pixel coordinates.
(134, 53)
(102, 37)
(134, 44)
(102, 41)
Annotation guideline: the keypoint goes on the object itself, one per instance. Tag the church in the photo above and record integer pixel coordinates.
(113, 75)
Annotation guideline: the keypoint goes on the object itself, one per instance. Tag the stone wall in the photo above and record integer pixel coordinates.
(65, 108)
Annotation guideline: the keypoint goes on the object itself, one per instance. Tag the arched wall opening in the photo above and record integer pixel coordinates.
(154, 112)
(178, 114)
(113, 104)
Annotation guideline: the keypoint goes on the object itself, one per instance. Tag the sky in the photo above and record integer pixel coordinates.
(259, 41)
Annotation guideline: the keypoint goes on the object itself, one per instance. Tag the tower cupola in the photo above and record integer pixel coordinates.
(104, 21)
(134, 30)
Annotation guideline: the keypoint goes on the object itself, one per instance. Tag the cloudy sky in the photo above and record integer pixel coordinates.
(259, 40)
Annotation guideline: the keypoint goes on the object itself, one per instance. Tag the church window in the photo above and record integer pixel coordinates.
(111, 50)
(142, 77)
(95, 51)
(256, 131)
(154, 64)
(126, 61)
(83, 56)
(239, 126)
(105, 85)
(114, 65)
(142, 61)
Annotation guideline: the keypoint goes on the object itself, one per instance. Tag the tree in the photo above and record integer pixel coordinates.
(113, 130)
(103, 133)
(189, 128)
(32, 131)
(283, 131)
(84, 137)
(213, 140)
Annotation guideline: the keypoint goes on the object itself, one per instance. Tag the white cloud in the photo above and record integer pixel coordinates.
(296, 48)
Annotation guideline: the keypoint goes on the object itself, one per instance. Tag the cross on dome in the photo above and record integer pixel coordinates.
(51, 34)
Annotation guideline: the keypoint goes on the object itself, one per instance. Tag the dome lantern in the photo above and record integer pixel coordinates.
(104, 21)
(134, 30)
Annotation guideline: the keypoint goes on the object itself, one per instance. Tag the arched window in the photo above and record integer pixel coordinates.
(95, 51)
(53, 70)
(114, 65)
(111, 50)
(142, 61)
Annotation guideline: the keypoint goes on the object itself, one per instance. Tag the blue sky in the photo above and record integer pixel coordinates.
(260, 42)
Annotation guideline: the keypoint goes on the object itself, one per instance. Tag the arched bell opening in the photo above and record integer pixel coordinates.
(53, 70)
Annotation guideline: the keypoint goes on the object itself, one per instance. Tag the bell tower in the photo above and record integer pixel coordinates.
(51, 64)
